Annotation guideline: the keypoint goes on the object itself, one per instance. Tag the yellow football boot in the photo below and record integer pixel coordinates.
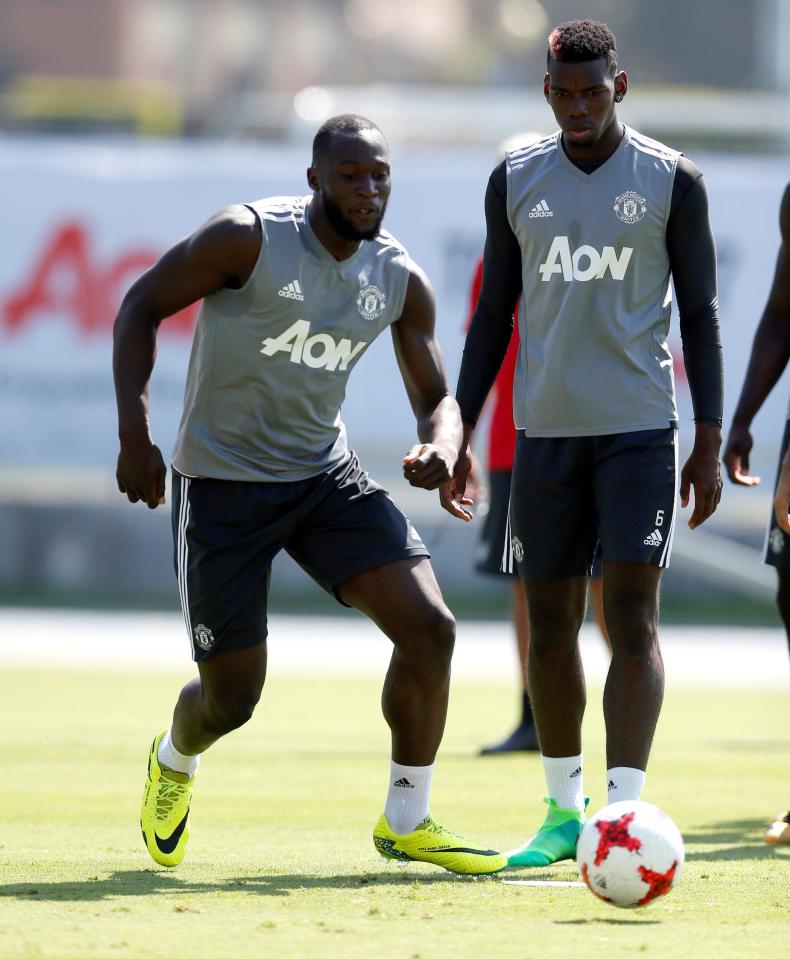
(430, 842)
(164, 816)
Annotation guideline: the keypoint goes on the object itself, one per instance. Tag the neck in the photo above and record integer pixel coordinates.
(602, 149)
(338, 246)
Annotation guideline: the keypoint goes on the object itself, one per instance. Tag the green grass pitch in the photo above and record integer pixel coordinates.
(281, 862)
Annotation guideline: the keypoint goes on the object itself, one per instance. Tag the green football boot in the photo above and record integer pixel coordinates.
(554, 841)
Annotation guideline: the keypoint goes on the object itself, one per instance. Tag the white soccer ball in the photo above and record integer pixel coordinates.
(630, 853)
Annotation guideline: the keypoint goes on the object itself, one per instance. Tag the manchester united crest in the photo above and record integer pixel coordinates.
(776, 540)
(371, 302)
(518, 549)
(203, 636)
(630, 206)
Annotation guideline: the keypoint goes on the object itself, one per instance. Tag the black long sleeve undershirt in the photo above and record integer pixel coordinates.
(692, 259)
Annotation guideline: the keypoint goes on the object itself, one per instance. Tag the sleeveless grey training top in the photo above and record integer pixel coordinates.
(596, 301)
(270, 362)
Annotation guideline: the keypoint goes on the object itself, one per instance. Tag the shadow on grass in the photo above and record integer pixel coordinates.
(736, 839)
(149, 882)
(635, 921)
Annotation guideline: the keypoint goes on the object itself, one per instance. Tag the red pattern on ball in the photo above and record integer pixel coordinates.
(660, 882)
(614, 832)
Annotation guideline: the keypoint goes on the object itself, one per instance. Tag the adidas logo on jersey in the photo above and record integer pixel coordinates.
(585, 263)
(654, 539)
(540, 209)
(320, 351)
(292, 291)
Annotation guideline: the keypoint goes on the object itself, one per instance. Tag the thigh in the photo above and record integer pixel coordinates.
(353, 529)
(403, 598)
(552, 512)
(776, 551)
(225, 536)
(636, 482)
(491, 547)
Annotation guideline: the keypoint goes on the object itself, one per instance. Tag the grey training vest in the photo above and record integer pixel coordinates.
(270, 362)
(596, 302)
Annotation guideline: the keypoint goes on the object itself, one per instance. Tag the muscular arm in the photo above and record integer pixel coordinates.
(222, 253)
(430, 463)
(769, 356)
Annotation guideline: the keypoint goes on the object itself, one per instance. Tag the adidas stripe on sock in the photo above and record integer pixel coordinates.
(407, 796)
(565, 780)
(624, 782)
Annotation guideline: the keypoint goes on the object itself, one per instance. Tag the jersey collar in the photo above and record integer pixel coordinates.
(588, 177)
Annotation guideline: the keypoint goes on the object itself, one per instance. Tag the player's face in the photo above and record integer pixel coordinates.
(354, 184)
(582, 98)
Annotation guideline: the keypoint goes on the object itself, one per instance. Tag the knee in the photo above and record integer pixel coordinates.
(433, 641)
(634, 637)
(441, 629)
(232, 708)
(552, 631)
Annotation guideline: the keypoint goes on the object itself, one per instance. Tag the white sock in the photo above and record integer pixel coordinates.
(169, 756)
(565, 780)
(624, 782)
(407, 797)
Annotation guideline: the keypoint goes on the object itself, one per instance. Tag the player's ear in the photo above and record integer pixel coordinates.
(546, 82)
(620, 85)
(312, 178)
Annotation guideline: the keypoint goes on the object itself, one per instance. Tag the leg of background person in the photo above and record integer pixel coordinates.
(596, 589)
(220, 700)
(634, 687)
(524, 737)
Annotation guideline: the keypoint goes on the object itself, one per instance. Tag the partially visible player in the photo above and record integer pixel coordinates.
(770, 353)
(294, 290)
(500, 453)
(597, 455)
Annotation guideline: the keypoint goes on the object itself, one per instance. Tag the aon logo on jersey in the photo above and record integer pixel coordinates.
(585, 263)
(319, 351)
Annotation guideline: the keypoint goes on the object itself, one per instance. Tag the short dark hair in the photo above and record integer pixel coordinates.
(577, 41)
(345, 123)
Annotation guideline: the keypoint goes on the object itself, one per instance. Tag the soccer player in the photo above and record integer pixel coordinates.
(584, 229)
(770, 353)
(294, 290)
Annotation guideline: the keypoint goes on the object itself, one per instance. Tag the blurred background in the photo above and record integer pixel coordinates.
(124, 123)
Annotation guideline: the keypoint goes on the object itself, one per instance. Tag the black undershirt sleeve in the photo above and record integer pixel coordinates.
(492, 322)
(692, 260)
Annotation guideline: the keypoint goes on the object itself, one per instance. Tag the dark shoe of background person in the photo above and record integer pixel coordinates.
(523, 739)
